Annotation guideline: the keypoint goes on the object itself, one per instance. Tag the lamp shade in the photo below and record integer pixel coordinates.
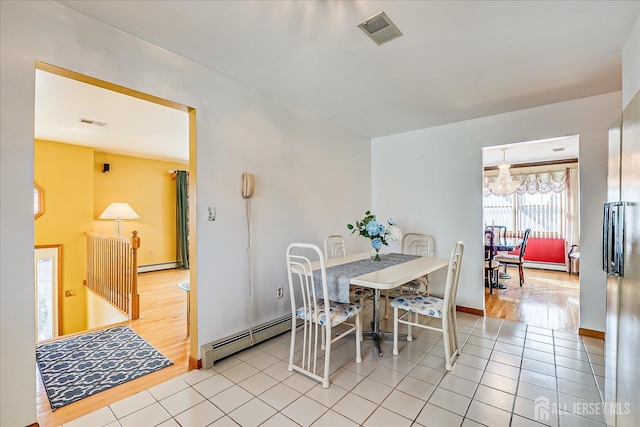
(119, 211)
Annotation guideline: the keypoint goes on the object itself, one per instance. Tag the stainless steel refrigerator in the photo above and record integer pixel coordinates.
(621, 261)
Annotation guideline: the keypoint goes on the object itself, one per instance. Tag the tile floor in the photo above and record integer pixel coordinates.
(509, 374)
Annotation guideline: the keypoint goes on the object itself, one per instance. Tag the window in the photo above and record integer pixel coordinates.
(544, 213)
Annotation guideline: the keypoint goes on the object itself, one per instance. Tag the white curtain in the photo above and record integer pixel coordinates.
(547, 201)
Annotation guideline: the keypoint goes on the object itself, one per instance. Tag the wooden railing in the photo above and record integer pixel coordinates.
(112, 270)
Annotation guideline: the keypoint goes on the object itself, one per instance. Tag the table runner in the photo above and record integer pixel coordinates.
(339, 276)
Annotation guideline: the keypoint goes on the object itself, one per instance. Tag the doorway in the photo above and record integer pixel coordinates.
(48, 288)
(544, 199)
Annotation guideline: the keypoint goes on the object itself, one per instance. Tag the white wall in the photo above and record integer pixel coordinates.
(311, 176)
(631, 63)
(431, 180)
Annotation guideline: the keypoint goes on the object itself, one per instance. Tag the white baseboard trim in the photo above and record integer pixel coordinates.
(157, 267)
(546, 266)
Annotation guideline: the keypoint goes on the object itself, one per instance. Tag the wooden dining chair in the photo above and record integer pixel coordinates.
(334, 247)
(491, 266)
(512, 259)
(442, 308)
(319, 315)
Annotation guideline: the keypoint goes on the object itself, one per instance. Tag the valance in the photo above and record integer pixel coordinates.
(532, 183)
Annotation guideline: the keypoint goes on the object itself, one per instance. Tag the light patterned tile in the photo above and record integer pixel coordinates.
(150, 415)
(252, 413)
(197, 375)
(280, 396)
(258, 383)
(101, 417)
(213, 385)
(541, 412)
(450, 401)
(466, 372)
(355, 408)
(231, 398)
(382, 417)
(488, 415)
(240, 372)
(330, 418)
(181, 401)
(416, 388)
(434, 416)
(504, 370)
(304, 411)
(508, 385)
(494, 397)
(327, 396)
(202, 414)
(132, 404)
(406, 405)
(168, 388)
(372, 390)
(458, 385)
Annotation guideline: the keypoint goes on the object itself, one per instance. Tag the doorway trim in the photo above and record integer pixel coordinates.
(63, 72)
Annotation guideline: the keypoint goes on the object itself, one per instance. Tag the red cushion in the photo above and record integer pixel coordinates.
(545, 250)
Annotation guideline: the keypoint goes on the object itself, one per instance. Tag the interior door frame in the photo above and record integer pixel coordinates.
(60, 293)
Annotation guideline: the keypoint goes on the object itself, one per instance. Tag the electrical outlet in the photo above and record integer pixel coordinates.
(279, 292)
(71, 293)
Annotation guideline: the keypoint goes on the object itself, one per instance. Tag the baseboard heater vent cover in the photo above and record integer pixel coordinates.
(219, 349)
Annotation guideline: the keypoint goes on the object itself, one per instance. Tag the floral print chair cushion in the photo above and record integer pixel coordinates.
(338, 312)
(430, 306)
(360, 292)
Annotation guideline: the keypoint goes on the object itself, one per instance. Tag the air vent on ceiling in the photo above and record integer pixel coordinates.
(380, 28)
(92, 122)
(558, 149)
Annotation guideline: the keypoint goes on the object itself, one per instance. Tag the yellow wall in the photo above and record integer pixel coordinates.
(65, 173)
(76, 192)
(148, 188)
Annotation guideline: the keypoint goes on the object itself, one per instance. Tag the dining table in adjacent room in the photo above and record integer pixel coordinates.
(393, 271)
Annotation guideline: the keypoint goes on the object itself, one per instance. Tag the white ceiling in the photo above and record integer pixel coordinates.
(457, 60)
(134, 127)
(532, 151)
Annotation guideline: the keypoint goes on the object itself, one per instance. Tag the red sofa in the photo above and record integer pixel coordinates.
(545, 250)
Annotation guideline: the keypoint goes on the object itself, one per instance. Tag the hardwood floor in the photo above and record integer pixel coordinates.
(548, 299)
(162, 323)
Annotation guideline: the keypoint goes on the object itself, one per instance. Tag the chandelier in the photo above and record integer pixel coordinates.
(504, 185)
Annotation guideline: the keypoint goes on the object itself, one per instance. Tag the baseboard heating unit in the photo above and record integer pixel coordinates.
(157, 267)
(216, 350)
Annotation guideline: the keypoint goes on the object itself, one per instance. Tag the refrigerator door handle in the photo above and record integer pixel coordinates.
(605, 237)
(619, 239)
(613, 238)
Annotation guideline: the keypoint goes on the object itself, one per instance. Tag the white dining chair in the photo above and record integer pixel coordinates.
(334, 247)
(442, 308)
(318, 313)
(414, 244)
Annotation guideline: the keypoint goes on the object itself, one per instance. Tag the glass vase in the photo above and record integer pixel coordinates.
(376, 255)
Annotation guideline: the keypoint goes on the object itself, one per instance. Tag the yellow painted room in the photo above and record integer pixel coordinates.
(75, 192)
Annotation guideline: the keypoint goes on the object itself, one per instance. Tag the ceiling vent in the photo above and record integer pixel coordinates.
(92, 122)
(379, 28)
(558, 149)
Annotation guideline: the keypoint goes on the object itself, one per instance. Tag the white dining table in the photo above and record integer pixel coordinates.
(386, 279)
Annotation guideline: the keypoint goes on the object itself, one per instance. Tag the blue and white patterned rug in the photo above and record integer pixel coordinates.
(83, 365)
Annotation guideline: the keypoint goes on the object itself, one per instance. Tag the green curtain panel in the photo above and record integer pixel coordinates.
(182, 220)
